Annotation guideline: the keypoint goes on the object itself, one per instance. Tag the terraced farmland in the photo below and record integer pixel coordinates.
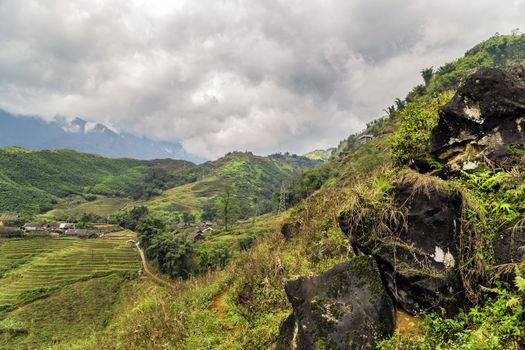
(34, 267)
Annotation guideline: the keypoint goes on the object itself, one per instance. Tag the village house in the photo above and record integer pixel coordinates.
(182, 225)
(6, 231)
(365, 138)
(66, 226)
(33, 226)
(52, 226)
(9, 219)
(195, 235)
(203, 225)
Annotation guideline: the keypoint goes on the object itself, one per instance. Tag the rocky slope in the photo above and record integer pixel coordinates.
(429, 244)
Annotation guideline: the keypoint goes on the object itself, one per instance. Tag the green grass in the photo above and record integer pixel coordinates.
(103, 206)
(188, 198)
(36, 267)
(73, 312)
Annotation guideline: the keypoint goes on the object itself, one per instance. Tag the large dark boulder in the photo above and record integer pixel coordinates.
(484, 120)
(346, 307)
(418, 257)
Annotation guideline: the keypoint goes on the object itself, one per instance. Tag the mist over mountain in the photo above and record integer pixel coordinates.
(80, 135)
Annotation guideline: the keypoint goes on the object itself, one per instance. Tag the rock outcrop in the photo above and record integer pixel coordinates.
(408, 251)
(484, 120)
(418, 259)
(346, 307)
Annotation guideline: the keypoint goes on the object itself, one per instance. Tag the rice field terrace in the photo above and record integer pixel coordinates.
(32, 268)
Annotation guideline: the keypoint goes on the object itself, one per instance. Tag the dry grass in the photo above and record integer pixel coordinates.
(423, 183)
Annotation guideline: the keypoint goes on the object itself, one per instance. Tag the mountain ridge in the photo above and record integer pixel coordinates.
(34, 181)
(80, 135)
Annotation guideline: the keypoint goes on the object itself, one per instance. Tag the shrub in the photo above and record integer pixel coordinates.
(411, 143)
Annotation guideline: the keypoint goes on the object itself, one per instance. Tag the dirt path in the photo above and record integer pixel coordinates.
(216, 303)
(147, 271)
(217, 306)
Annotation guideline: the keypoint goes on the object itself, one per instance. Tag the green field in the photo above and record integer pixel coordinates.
(34, 268)
(188, 198)
(103, 206)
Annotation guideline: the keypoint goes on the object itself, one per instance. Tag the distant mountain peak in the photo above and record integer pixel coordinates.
(84, 136)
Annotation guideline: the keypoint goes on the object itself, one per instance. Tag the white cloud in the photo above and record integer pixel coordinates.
(232, 75)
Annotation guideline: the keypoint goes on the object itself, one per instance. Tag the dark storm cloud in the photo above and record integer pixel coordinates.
(223, 75)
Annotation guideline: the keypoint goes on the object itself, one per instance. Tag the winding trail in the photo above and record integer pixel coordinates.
(216, 303)
(147, 271)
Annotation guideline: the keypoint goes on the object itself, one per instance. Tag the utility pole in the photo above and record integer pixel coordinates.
(283, 196)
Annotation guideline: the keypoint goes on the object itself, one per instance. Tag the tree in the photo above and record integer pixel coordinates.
(427, 75)
(400, 104)
(208, 211)
(415, 93)
(148, 228)
(188, 217)
(227, 204)
(173, 254)
(86, 220)
(130, 219)
(390, 110)
(214, 257)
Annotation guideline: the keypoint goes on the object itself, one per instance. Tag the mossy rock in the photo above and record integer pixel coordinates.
(346, 307)
(418, 256)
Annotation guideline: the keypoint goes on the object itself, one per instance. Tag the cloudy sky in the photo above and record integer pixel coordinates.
(221, 75)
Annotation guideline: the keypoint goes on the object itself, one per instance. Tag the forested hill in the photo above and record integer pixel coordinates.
(412, 240)
(34, 181)
(500, 51)
(251, 180)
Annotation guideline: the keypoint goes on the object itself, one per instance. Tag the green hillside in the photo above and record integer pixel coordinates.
(232, 294)
(33, 181)
(37, 181)
(253, 180)
(500, 51)
(243, 305)
(320, 154)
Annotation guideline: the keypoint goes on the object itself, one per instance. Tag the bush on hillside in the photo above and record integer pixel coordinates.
(411, 142)
(173, 254)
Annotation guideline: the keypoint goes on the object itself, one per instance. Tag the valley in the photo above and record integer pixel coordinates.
(407, 235)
